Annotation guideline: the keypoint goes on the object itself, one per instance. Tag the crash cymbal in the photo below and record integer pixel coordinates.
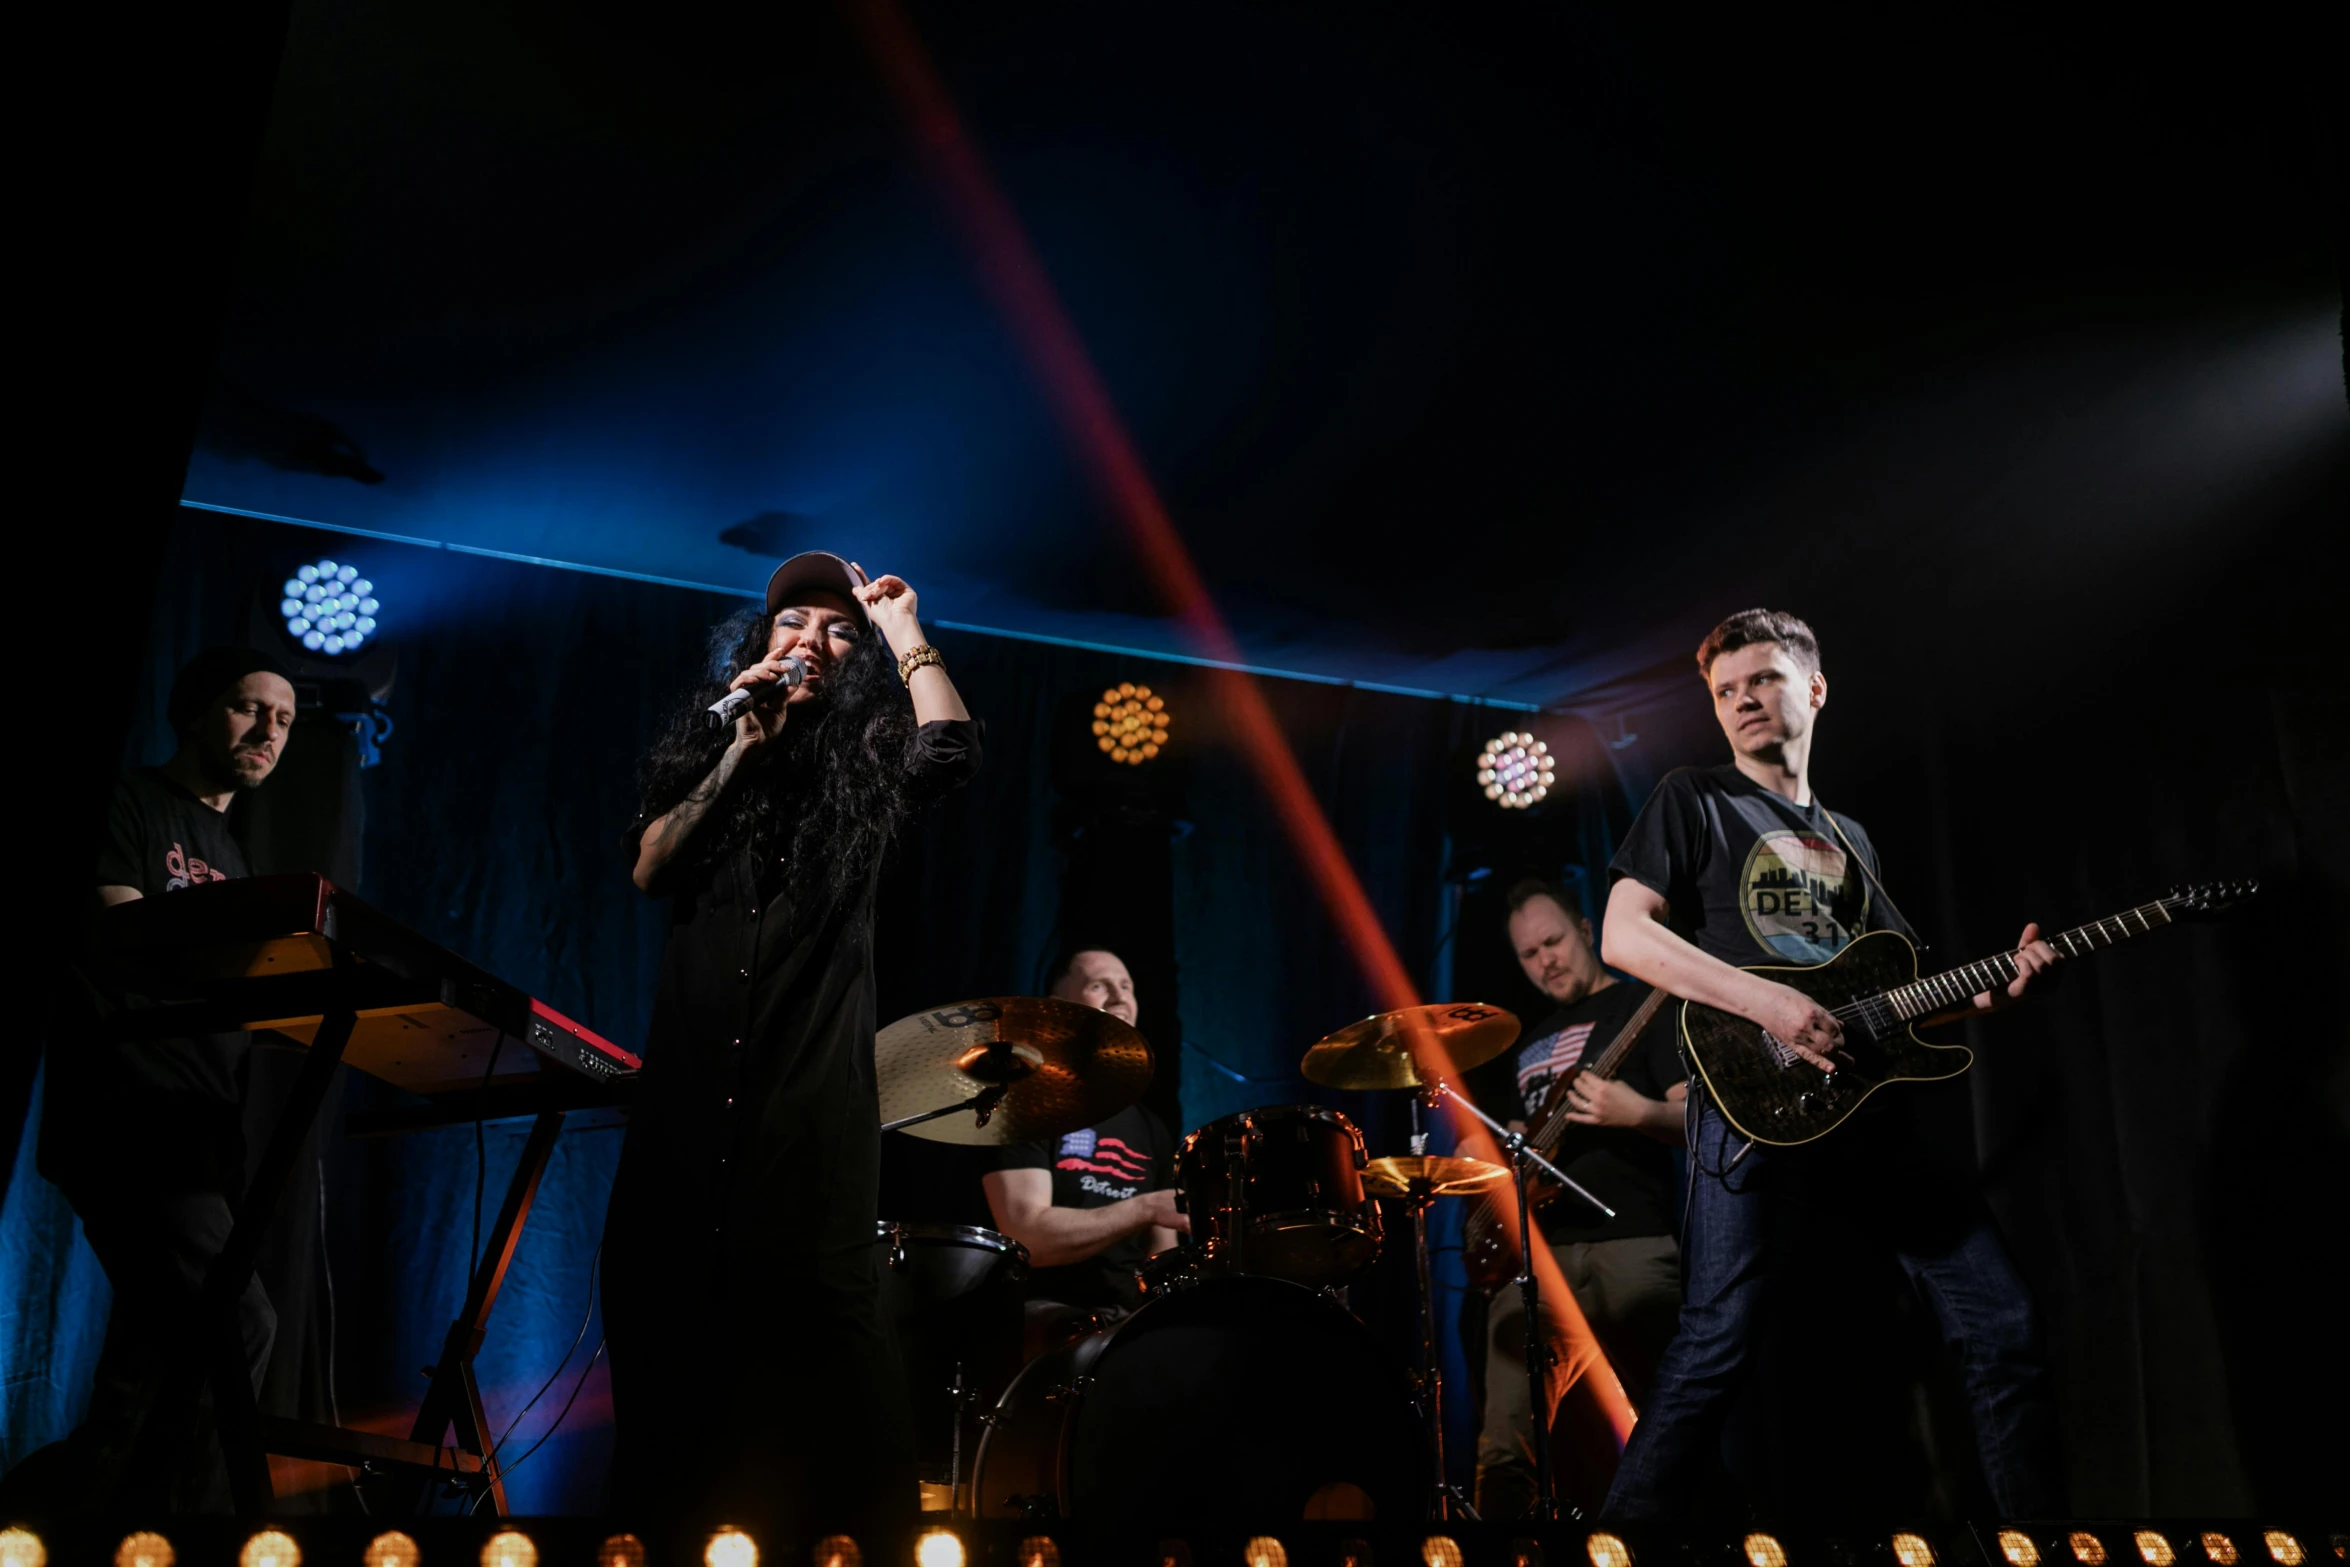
(1377, 1052)
(1063, 1067)
(1447, 1177)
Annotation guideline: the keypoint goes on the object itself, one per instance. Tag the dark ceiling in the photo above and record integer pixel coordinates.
(1490, 350)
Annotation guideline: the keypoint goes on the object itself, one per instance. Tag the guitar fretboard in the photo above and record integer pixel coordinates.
(1956, 987)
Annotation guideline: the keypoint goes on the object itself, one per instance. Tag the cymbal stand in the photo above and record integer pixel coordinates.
(981, 1104)
(962, 1393)
(1522, 1155)
(1445, 1498)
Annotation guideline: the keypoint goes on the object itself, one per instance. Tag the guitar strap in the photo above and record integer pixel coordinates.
(1838, 828)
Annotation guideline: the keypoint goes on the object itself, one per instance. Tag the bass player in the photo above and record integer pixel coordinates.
(1741, 864)
(1616, 1140)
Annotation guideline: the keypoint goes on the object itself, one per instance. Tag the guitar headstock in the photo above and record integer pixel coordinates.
(2207, 900)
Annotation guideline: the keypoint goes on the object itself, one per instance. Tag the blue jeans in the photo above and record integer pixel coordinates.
(1936, 1227)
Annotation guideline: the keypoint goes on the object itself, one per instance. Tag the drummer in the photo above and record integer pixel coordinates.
(1625, 1271)
(1091, 1205)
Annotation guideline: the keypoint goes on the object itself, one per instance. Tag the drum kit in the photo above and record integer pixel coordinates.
(1242, 1389)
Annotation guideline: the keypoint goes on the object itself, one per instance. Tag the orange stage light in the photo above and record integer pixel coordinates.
(1911, 1550)
(144, 1549)
(509, 1548)
(730, 1548)
(1016, 278)
(270, 1548)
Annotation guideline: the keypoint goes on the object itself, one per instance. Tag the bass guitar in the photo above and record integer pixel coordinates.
(1774, 1097)
(1489, 1248)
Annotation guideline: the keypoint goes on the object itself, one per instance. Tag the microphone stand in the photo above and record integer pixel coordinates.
(1522, 1155)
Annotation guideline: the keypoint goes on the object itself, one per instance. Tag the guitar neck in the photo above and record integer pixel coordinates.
(1955, 987)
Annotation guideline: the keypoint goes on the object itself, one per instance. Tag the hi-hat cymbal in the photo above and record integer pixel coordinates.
(1063, 1066)
(1377, 1052)
(1446, 1177)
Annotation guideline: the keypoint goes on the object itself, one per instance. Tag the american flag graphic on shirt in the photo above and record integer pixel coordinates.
(1542, 1061)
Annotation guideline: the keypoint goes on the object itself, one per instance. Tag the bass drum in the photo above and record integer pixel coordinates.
(1236, 1401)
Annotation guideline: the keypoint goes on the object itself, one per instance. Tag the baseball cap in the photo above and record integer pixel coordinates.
(817, 569)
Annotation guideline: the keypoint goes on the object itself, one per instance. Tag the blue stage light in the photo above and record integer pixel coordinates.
(329, 608)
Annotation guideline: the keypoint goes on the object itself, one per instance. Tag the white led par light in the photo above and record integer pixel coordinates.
(328, 607)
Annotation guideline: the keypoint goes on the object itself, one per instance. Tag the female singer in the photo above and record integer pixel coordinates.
(751, 1380)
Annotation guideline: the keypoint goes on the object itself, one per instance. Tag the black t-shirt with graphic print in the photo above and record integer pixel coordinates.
(1630, 1171)
(163, 1094)
(1127, 1155)
(1749, 876)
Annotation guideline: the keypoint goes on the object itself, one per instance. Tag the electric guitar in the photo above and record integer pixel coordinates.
(1773, 1096)
(1489, 1248)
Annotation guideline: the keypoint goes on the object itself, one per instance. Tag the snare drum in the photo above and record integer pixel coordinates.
(1279, 1192)
(950, 1294)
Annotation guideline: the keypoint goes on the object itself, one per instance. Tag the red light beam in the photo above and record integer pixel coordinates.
(1017, 282)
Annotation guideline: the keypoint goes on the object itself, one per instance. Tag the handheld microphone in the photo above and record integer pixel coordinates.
(729, 707)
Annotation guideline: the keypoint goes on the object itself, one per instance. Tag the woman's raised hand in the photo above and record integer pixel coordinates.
(890, 604)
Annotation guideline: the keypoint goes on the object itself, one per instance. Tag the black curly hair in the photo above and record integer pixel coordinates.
(823, 807)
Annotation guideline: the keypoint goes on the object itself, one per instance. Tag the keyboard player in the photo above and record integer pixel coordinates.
(145, 1139)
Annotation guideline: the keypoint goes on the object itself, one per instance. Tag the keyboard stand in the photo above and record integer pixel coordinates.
(299, 958)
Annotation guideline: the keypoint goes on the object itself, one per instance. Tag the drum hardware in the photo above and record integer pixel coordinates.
(981, 1105)
(1026, 1068)
(1522, 1155)
(961, 1393)
(1417, 1180)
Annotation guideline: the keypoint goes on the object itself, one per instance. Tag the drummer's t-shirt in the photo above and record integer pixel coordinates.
(1125, 1156)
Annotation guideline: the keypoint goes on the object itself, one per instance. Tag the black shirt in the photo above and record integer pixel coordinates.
(1127, 1155)
(1630, 1171)
(1750, 876)
(738, 1258)
(181, 1094)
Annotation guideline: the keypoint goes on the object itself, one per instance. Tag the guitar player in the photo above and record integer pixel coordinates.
(1740, 864)
(1618, 1143)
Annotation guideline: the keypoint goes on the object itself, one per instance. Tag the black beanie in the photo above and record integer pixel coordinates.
(211, 672)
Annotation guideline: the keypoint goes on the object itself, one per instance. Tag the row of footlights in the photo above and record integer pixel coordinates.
(271, 1547)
